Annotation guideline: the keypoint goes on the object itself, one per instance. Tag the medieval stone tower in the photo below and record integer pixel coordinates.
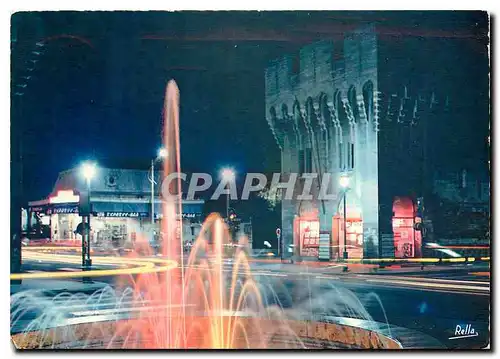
(334, 108)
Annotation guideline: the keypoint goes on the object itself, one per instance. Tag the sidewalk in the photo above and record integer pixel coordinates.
(417, 269)
(367, 268)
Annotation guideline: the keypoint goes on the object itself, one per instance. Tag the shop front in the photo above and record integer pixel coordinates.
(117, 228)
(407, 240)
(308, 237)
(54, 218)
(121, 209)
(310, 240)
(115, 223)
(353, 238)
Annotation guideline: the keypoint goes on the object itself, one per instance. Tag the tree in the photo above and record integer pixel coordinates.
(272, 195)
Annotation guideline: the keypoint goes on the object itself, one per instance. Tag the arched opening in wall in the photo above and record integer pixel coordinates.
(272, 112)
(311, 118)
(345, 131)
(299, 127)
(353, 102)
(324, 110)
(309, 106)
(284, 111)
(368, 100)
(308, 154)
(297, 116)
(348, 236)
(325, 113)
(407, 240)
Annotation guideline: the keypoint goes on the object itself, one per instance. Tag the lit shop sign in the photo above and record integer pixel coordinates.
(62, 210)
(184, 215)
(122, 214)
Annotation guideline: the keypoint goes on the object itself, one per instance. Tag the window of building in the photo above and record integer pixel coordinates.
(352, 155)
(327, 146)
(308, 160)
(338, 51)
(314, 64)
(301, 161)
(348, 153)
(295, 64)
(368, 99)
(341, 157)
(337, 56)
(353, 102)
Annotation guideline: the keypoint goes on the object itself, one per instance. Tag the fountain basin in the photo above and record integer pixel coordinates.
(258, 333)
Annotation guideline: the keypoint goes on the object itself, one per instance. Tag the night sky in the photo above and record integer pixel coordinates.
(97, 88)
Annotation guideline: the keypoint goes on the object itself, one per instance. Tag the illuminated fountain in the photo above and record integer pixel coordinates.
(198, 304)
(202, 310)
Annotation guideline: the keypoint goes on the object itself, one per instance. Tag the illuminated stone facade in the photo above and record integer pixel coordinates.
(346, 107)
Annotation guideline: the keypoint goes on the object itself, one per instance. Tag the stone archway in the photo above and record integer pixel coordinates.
(353, 227)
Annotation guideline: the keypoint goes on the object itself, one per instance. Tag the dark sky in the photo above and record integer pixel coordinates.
(97, 88)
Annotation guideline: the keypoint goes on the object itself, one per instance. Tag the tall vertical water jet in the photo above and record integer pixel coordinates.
(171, 222)
(171, 189)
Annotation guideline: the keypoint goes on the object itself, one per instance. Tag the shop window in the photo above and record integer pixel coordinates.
(308, 238)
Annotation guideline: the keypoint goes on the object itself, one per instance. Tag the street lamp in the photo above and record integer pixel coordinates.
(344, 184)
(88, 170)
(228, 175)
(162, 153)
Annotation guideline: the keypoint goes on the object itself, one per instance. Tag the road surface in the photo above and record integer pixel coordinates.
(433, 302)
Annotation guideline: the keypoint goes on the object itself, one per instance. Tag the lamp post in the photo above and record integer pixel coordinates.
(88, 172)
(162, 153)
(227, 174)
(344, 183)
